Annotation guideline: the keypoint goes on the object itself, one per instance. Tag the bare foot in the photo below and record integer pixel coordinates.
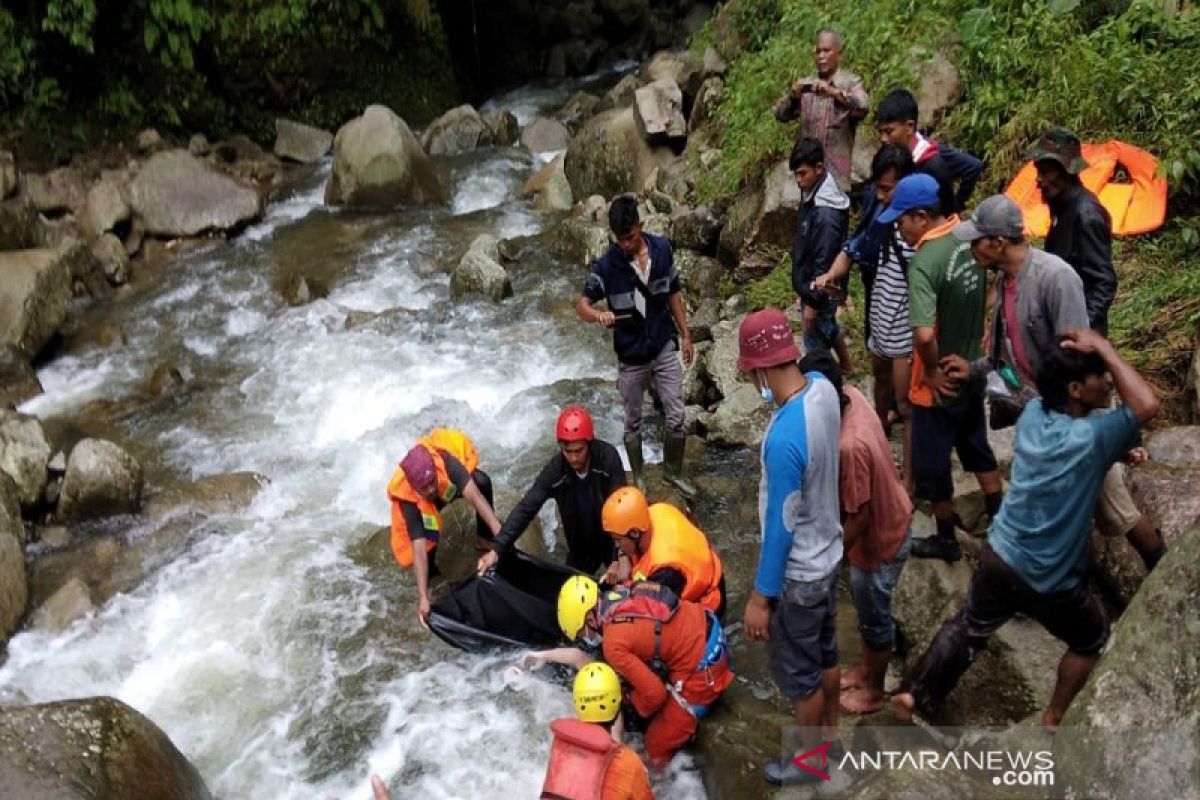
(902, 706)
(862, 701)
(852, 678)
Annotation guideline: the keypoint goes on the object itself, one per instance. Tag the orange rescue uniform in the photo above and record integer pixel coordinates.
(629, 648)
(439, 441)
(676, 543)
(586, 764)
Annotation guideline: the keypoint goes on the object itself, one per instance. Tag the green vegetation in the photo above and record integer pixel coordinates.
(1107, 68)
(77, 70)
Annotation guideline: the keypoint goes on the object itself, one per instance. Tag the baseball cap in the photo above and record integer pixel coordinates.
(913, 191)
(1061, 145)
(418, 468)
(996, 216)
(765, 339)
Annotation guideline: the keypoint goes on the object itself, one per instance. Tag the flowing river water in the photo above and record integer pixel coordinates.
(280, 658)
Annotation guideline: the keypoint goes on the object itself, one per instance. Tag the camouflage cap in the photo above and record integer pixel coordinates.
(1061, 145)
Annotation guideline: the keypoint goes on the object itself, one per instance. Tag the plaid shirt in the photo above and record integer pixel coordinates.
(829, 121)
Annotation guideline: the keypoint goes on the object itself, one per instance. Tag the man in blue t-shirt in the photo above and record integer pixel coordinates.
(1037, 549)
(638, 280)
(793, 604)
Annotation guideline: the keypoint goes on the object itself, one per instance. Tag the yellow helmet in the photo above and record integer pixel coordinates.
(597, 693)
(577, 597)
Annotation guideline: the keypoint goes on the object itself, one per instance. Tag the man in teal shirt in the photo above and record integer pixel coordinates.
(1037, 547)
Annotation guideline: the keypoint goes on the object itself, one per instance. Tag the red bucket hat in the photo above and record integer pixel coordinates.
(418, 468)
(765, 340)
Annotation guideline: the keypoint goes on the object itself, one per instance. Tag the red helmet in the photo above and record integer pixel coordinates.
(574, 425)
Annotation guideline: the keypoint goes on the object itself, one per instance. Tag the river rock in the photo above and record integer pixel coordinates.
(177, 194)
(545, 135)
(1010, 680)
(1145, 691)
(70, 603)
(14, 591)
(581, 241)
(577, 110)
(56, 192)
(95, 748)
(549, 188)
(377, 162)
(938, 86)
(18, 381)
(106, 206)
(19, 224)
(24, 454)
(740, 419)
(224, 493)
(299, 290)
(504, 127)
(722, 363)
(101, 480)
(620, 95)
(9, 179)
(609, 157)
(700, 275)
(704, 109)
(166, 380)
(459, 130)
(296, 141)
(658, 112)
(199, 145)
(147, 140)
(480, 272)
(109, 253)
(762, 215)
(696, 229)
(684, 68)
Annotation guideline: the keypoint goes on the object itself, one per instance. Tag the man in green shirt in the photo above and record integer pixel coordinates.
(947, 303)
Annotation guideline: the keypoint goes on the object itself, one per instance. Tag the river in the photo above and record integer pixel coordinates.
(281, 659)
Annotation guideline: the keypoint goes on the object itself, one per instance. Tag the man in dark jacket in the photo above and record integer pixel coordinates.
(1080, 227)
(579, 478)
(955, 171)
(820, 231)
(638, 280)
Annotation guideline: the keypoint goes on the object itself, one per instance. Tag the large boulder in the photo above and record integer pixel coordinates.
(580, 240)
(577, 110)
(57, 192)
(704, 108)
(545, 135)
(24, 454)
(1141, 706)
(70, 603)
(101, 480)
(549, 188)
(609, 157)
(106, 207)
(19, 224)
(658, 111)
(504, 127)
(722, 362)
(96, 748)
(620, 95)
(699, 275)
(684, 68)
(177, 194)
(14, 589)
(459, 130)
(740, 420)
(378, 163)
(18, 381)
(1010, 680)
(480, 272)
(35, 293)
(763, 214)
(110, 256)
(939, 87)
(296, 141)
(696, 229)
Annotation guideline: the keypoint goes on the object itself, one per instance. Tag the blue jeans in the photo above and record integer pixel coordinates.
(822, 332)
(872, 593)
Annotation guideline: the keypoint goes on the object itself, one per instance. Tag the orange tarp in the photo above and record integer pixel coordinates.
(1139, 206)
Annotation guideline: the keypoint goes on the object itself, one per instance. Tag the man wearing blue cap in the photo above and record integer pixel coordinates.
(947, 303)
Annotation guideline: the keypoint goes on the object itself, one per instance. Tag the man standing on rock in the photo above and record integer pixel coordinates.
(1037, 550)
(947, 303)
(793, 604)
(638, 279)
(829, 105)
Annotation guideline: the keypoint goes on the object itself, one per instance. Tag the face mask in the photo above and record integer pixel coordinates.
(765, 390)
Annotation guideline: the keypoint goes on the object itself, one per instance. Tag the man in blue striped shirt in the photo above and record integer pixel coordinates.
(794, 601)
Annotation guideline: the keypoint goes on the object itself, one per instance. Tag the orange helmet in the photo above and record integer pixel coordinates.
(624, 511)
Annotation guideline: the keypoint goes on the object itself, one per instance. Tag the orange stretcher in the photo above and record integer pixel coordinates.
(1137, 205)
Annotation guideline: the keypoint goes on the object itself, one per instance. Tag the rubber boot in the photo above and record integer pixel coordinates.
(673, 447)
(637, 462)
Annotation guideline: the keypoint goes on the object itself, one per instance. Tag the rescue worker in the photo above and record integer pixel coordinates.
(658, 543)
(588, 760)
(583, 473)
(440, 468)
(672, 654)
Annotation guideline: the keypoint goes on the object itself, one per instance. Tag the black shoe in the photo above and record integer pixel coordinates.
(782, 772)
(943, 547)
